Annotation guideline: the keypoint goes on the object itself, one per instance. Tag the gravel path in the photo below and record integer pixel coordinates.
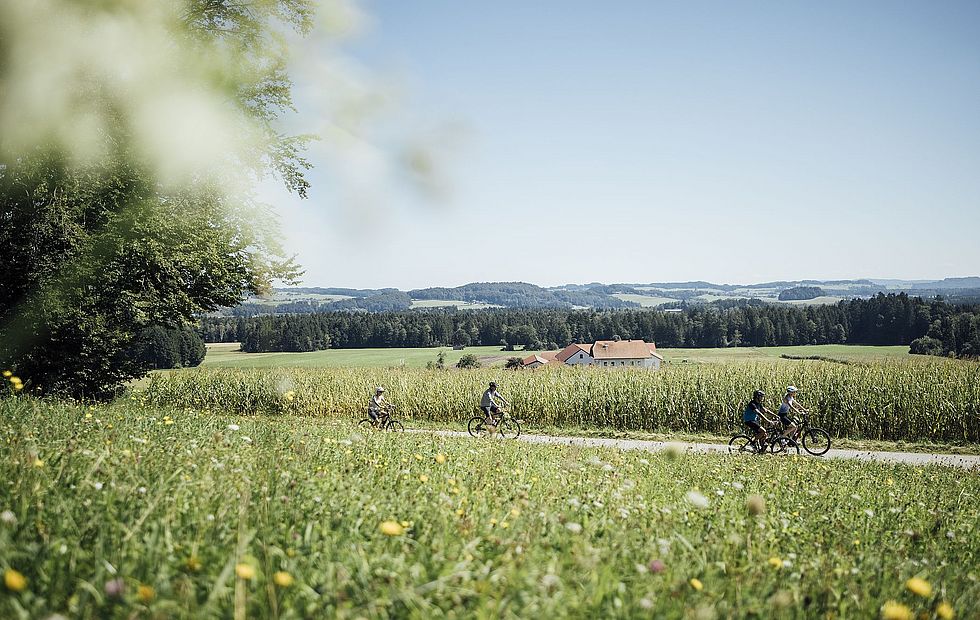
(965, 461)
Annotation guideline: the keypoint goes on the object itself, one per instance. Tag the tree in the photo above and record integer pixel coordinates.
(136, 211)
(468, 361)
(513, 363)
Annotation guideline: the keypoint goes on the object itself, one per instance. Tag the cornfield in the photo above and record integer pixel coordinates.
(936, 400)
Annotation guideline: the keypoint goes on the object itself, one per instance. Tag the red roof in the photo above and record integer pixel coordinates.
(566, 353)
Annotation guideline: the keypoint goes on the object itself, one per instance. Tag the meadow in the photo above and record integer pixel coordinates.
(134, 511)
(897, 400)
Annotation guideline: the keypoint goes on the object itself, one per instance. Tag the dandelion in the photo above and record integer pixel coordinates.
(391, 528)
(756, 505)
(441, 458)
(423, 478)
(945, 611)
(696, 499)
(7, 374)
(38, 463)
(696, 584)
(775, 562)
(282, 579)
(145, 593)
(14, 581)
(193, 564)
(919, 586)
(245, 571)
(550, 581)
(895, 611)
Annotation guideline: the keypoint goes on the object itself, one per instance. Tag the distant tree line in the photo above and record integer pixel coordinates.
(155, 348)
(881, 320)
(800, 293)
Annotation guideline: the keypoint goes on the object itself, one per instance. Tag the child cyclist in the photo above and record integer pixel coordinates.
(753, 411)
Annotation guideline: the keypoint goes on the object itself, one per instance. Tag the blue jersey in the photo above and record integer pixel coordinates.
(752, 411)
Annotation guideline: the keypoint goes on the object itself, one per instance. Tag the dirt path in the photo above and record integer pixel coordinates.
(965, 461)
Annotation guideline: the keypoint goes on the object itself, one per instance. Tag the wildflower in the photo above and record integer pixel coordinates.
(98, 486)
(405, 524)
(38, 463)
(945, 611)
(245, 571)
(233, 427)
(775, 562)
(391, 528)
(246, 439)
(282, 579)
(114, 588)
(7, 374)
(514, 512)
(696, 499)
(8, 517)
(193, 564)
(919, 586)
(550, 581)
(14, 581)
(574, 528)
(657, 566)
(756, 505)
(441, 458)
(289, 396)
(423, 478)
(646, 603)
(895, 611)
(145, 593)
(696, 584)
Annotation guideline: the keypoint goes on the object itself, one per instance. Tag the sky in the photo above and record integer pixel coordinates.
(572, 142)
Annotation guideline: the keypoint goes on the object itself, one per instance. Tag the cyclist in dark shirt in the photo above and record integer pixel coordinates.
(753, 411)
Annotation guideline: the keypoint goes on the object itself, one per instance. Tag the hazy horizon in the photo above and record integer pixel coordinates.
(570, 143)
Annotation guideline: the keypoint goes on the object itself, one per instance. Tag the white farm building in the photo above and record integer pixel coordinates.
(605, 353)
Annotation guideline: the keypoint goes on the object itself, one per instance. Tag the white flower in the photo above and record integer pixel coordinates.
(233, 427)
(142, 490)
(246, 439)
(644, 462)
(640, 568)
(98, 486)
(869, 512)
(550, 581)
(738, 486)
(607, 467)
(720, 492)
(646, 603)
(8, 517)
(696, 499)
(210, 517)
(574, 503)
(574, 528)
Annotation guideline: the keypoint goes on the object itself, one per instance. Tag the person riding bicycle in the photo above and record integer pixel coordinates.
(750, 417)
(787, 408)
(490, 399)
(377, 404)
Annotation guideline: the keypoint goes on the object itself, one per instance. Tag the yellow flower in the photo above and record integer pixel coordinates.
(440, 458)
(895, 611)
(282, 579)
(145, 593)
(14, 580)
(7, 373)
(418, 457)
(945, 611)
(423, 478)
(38, 463)
(919, 586)
(245, 571)
(391, 528)
(775, 562)
(289, 396)
(514, 512)
(193, 564)
(459, 512)
(696, 584)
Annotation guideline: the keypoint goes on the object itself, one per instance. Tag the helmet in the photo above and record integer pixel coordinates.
(493, 384)
(379, 390)
(792, 389)
(758, 394)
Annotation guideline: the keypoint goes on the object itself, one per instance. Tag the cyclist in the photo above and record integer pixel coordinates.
(490, 399)
(377, 404)
(750, 417)
(786, 410)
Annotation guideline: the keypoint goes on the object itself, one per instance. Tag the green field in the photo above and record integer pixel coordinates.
(647, 301)
(228, 355)
(135, 512)
(444, 303)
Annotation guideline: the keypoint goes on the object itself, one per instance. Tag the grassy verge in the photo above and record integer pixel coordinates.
(128, 511)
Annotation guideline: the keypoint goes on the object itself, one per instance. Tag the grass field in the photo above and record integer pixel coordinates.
(134, 512)
(647, 301)
(227, 355)
(443, 303)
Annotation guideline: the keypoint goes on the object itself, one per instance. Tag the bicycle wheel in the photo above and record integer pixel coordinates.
(365, 424)
(477, 427)
(816, 441)
(741, 444)
(509, 429)
(395, 426)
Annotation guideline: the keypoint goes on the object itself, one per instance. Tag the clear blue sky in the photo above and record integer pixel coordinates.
(642, 141)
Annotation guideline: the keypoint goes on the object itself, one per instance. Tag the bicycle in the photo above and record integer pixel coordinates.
(488, 424)
(384, 423)
(815, 440)
(774, 443)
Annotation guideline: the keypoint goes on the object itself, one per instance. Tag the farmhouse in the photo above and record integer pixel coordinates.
(607, 353)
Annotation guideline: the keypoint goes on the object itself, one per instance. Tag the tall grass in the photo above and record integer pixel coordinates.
(887, 400)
